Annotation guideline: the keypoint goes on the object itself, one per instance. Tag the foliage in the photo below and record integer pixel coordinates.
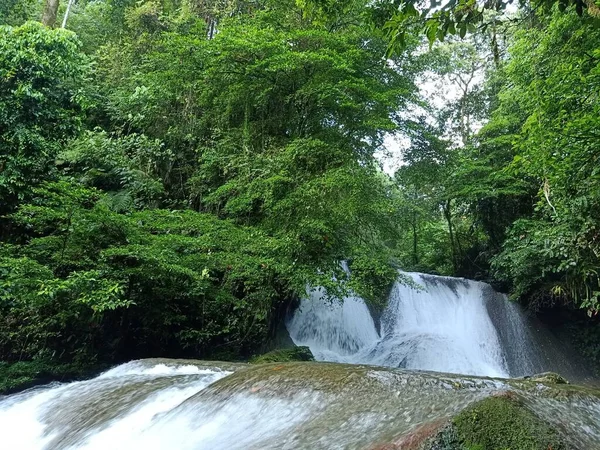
(130, 168)
(172, 177)
(133, 285)
(41, 72)
(25, 374)
(438, 20)
(520, 196)
(219, 175)
(16, 12)
(555, 75)
(261, 134)
(422, 195)
(443, 179)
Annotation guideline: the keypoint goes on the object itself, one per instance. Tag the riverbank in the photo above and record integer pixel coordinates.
(16, 377)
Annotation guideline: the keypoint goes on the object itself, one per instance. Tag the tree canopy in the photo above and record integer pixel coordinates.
(175, 173)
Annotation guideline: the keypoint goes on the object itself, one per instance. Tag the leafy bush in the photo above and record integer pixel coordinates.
(94, 283)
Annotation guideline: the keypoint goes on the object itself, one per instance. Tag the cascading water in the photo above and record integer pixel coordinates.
(192, 405)
(119, 405)
(449, 325)
(441, 324)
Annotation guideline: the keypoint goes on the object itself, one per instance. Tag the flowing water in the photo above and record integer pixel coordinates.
(187, 405)
(446, 325)
(433, 323)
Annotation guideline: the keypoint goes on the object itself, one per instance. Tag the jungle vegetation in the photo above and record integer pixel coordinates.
(175, 173)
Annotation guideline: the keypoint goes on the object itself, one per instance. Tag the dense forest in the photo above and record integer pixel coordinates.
(175, 173)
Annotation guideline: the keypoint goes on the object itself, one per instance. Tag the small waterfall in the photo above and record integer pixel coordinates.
(443, 324)
(193, 405)
(334, 330)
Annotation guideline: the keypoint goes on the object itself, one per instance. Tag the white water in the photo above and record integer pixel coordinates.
(37, 419)
(334, 331)
(146, 405)
(444, 326)
(165, 405)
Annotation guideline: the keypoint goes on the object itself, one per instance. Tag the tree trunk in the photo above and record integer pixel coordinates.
(212, 26)
(415, 241)
(414, 230)
(448, 215)
(50, 10)
(64, 22)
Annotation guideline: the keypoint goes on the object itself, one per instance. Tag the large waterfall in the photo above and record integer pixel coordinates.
(433, 323)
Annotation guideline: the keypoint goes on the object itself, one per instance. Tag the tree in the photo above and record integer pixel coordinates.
(50, 12)
(40, 105)
(218, 177)
(274, 125)
(17, 12)
(436, 20)
(553, 77)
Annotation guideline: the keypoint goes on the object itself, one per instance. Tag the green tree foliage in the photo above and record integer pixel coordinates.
(41, 72)
(556, 75)
(130, 168)
(522, 192)
(428, 245)
(274, 123)
(93, 283)
(220, 174)
(175, 175)
(17, 12)
(437, 20)
(437, 177)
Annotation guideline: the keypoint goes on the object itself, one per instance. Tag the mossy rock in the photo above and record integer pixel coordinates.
(285, 355)
(503, 423)
(548, 377)
(446, 439)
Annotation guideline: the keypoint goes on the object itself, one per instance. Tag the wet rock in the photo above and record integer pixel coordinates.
(285, 355)
(504, 422)
(418, 439)
(548, 377)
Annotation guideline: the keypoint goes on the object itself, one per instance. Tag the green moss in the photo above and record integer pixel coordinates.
(285, 355)
(503, 423)
(22, 375)
(446, 439)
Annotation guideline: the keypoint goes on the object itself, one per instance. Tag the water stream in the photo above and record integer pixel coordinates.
(441, 324)
(191, 405)
(448, 325)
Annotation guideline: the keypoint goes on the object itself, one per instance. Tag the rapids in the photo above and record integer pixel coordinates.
(192, 405)
(383, 400)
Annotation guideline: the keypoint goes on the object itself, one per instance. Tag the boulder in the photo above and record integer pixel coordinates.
(285, 355)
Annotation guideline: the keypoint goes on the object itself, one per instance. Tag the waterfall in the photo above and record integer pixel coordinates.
(435, 323)
(120, 404)
(193, 405)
